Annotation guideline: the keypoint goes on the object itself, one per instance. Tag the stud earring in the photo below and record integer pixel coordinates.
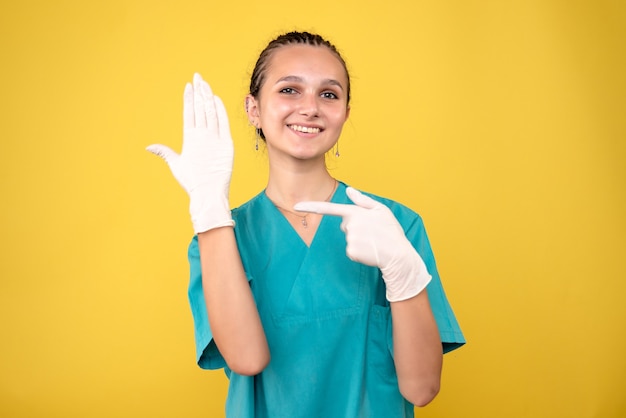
(337, 149)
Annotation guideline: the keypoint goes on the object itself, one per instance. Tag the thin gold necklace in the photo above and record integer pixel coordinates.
(303, 220)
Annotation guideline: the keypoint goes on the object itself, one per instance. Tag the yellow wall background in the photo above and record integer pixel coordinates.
(502, 122)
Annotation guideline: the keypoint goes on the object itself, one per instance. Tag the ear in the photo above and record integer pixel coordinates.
(252, 110)
(347, 113)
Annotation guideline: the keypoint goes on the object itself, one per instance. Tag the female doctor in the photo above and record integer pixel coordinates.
(318, 300)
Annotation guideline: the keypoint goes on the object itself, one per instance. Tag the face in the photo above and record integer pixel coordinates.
(302, 104)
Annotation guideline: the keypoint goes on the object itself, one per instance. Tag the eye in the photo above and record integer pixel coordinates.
(287, 90)
(329, 95)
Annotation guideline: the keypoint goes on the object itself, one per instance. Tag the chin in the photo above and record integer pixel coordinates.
(307, 154)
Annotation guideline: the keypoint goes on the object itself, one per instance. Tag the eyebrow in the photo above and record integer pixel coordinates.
(295, 78)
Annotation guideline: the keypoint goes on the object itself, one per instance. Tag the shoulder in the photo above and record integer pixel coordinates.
(240, 213)
(406, 216)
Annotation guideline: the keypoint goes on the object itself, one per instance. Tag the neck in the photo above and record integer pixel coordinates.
(286, 187)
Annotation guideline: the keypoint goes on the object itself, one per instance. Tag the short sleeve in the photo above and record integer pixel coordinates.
(207, 354)
(449, 329)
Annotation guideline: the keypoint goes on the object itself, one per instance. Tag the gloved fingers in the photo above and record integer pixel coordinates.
(199, 102)
(325, 208)
(222, 119)
(210, 110)
(356, 251)
(350, 252)
(205, 89)
(163, 151)
(360, 199)
(189, 119)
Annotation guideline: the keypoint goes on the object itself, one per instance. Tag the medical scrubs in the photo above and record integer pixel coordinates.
(326, 319)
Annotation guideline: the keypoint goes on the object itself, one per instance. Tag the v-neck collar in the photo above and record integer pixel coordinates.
(287, 225)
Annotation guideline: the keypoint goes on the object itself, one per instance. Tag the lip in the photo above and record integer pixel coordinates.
(306, 129)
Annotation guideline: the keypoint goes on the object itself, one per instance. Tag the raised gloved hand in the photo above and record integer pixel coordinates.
(374, 237)
(205, 165)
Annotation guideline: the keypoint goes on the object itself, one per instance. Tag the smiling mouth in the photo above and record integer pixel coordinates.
(304, 129)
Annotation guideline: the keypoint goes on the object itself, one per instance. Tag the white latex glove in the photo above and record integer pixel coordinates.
(205, 165)
(374, 237)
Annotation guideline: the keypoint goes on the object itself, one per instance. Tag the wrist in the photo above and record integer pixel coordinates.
(210, 213)
(405, 276)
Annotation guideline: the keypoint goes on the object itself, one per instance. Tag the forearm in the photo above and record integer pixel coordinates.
(418, 354)
(231, 309)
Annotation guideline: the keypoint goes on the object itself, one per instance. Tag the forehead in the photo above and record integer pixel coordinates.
(309, 60)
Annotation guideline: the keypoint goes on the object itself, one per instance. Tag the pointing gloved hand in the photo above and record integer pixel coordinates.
(374, 237)
(205, 165)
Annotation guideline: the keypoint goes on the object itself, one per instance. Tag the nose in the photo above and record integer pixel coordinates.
(309, 105)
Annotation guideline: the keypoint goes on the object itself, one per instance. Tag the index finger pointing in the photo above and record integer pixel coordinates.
(325, 208)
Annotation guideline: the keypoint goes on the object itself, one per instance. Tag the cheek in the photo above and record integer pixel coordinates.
(275, 112)
(339, 118)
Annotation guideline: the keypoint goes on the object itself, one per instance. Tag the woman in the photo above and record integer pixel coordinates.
(310, 315)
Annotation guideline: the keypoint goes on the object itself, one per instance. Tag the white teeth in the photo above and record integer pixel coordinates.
(305, 129)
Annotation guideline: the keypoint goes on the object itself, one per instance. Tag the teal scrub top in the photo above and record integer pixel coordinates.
(326, 319)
